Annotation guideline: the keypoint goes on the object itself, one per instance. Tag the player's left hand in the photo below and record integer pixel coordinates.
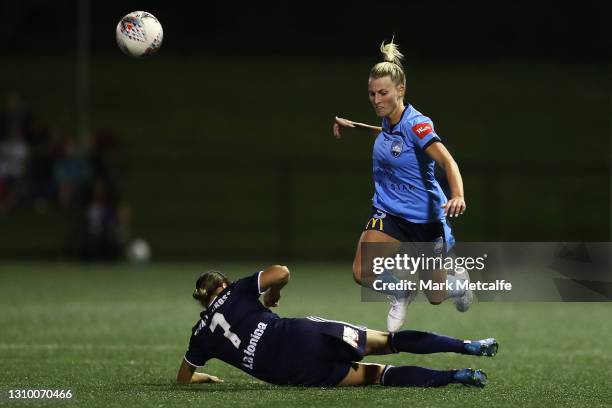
(271, 298)
(454, 207)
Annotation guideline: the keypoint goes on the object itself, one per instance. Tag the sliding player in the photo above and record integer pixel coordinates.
(237, 329)
(408, 203)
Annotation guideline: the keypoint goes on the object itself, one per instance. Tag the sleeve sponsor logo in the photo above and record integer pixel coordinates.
(351, 336)
(422, 129)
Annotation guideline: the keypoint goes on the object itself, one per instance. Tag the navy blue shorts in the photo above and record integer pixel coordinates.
(439, 232)
(322, 351)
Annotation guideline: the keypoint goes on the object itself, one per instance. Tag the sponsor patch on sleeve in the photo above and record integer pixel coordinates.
(422, 129)
(351, 336)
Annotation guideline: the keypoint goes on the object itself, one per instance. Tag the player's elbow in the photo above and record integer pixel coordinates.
(283, 274)
(280, 274)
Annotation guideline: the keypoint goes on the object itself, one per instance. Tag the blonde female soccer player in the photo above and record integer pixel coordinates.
(237, 329)
(408, 203)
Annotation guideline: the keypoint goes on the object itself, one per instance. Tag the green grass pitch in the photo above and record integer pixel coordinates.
(116, 335)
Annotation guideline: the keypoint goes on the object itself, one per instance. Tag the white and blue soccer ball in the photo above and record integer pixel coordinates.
(139, 34)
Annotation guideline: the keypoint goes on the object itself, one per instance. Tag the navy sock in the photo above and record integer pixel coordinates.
(413, 376)
(418, 342)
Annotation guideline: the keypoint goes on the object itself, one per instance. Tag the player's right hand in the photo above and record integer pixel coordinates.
(271, 298)
(338, 123)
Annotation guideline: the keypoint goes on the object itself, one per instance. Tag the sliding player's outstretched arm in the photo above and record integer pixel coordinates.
(187, 375)
(271, 281)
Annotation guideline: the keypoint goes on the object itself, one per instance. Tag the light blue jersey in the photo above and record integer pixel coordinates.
(404, 182)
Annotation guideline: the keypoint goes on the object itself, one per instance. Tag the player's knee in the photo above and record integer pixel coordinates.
(435, 298)
(377, 343)
(372, 374)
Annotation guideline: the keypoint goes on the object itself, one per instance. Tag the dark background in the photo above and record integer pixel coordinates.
(221, 146)
(434, 30)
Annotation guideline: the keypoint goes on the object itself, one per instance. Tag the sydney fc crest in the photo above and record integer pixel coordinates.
(396, 148)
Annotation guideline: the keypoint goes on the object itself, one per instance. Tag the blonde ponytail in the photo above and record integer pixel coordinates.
(391, 65)
(391, 53)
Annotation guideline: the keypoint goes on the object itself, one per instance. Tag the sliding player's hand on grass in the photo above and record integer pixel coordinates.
(207, 378)
(187, 375)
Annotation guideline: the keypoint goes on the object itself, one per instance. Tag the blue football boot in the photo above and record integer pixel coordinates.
(487, 347)
(471, 377)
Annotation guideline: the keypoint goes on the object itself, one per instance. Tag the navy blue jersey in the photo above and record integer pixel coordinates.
(233, 329)
(240, 331)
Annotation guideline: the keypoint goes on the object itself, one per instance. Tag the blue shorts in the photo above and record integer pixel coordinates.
(319, 352)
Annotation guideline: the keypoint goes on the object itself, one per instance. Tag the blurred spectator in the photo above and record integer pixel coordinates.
(14, 154)
(14, 124)
(105, 220)
(103, 159)
(101, 238)
(15, 117)
(43, 166)
(71, 171)
(40, 166)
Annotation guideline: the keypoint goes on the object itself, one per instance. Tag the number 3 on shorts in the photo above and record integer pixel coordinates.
(219, 319)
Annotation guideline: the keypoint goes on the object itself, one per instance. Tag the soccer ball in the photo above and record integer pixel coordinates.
(139, 34)
(139, 251)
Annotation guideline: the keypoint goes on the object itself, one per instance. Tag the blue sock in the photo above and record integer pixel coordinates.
(413, 376)
(418, 342)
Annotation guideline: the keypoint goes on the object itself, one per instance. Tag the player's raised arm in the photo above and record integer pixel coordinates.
(346, 123)
(271, 281)
(187, 375)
